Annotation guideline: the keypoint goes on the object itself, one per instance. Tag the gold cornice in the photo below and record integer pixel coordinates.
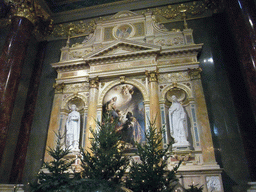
(25, 10)
(73, 29)
(190, 10)
(34, 13)
(161, 14)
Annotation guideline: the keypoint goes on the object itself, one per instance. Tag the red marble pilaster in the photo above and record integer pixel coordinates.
(242, 21)
(27, 118)
(11, 63)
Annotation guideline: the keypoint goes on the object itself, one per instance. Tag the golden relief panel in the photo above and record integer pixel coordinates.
(79, 54)
(69, 74)
(118, 66)
(173, 77)
(170, 41)
(78, 87)
(177, 61)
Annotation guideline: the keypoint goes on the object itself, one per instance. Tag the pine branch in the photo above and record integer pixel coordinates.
(151, 174)
(58, 178)
(105, 161)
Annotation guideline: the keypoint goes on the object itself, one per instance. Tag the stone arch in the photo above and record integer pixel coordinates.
(73, 97)
(133, 82)
(185, 88)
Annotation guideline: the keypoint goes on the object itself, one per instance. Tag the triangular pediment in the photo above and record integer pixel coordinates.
(123, 14)
(121, 48)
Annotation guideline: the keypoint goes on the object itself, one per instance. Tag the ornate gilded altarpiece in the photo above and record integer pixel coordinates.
(141, 64)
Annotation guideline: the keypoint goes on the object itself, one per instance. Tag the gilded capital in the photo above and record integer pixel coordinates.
(59, 86)
(94, 83)
(153, 76)
(26, 10)
(122, 79)
(194, 73)
(34, 13)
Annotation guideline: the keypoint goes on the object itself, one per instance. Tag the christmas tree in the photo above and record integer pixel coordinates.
(151, 174)
(58, 177)
(105, 160)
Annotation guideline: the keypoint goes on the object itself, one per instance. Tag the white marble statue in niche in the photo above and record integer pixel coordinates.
(178, 124)
(73, 129)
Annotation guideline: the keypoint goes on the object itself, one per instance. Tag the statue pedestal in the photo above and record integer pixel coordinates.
(76, 165)
(181, 146)
(11, 187)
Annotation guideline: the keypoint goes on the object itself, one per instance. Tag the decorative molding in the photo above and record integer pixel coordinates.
(188, 10)
(124, 13)
(173, 86)
(171, 77)
(68, 98)
(74, 28)
(77, 87)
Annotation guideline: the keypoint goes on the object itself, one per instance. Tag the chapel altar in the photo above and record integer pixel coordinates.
(136, 67)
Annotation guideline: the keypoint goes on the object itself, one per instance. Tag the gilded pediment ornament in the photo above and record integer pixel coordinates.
(75, 29)
(189, 10)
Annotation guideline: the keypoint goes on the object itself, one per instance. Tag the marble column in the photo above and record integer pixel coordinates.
(241, 15)
(155, 114)
(27, 118)
(11, 63)
(92, 111)
(202, 116)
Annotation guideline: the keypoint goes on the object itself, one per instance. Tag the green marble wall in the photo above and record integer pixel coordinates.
(41, 120)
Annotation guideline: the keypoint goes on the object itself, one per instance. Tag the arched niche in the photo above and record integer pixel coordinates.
(184, 96)
(135, 83)
(81, 106)
(177, 86)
